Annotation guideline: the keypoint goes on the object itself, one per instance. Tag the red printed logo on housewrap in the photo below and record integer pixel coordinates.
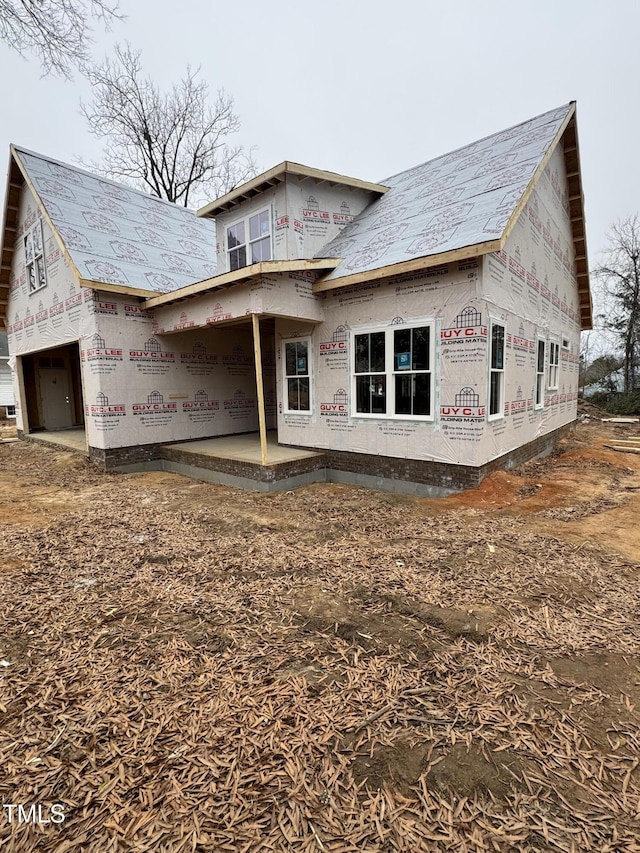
(97, 350)
(312, 211)
(338, 342)
(339, 406)
(102, 408)
(200, 401)
(183, 323)
(151, 351)
(155, 405)
(467, 327)
(466, 407)
(218, 314)
(198, 355)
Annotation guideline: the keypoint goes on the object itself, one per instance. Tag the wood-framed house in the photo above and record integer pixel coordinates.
(411, 335)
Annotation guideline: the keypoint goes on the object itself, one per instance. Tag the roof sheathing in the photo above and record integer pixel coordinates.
(262, 183)
(461, 205)
(115, 235)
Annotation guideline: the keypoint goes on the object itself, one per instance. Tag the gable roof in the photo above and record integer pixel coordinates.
(461, 205)
(277, 175)
(111, 234)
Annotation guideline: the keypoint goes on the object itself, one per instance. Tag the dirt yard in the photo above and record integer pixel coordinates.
(185, 667)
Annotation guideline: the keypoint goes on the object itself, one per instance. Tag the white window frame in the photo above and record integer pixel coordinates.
(553, 365)
(496, 370)
(540, 374)
(245, 221)
(566, 344)
(11, 414)
(390, 371)
(35, 255)
(286, 377)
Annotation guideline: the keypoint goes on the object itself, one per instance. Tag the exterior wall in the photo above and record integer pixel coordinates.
(438, 296)
(57, 314)
(144, 387)
(531, 288)
(304, 216)
(286, 294)
(316, 213)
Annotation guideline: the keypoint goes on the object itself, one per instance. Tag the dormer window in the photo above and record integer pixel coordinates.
(249, 240)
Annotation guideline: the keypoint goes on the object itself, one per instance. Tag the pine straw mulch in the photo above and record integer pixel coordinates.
(193, 668)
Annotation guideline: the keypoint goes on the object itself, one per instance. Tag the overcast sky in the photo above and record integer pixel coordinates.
(371, 88)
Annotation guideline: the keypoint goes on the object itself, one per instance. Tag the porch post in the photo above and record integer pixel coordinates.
(258, 359)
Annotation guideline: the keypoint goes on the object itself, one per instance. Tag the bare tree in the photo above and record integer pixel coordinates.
(58, 31)
(172, 144)
(620, 276)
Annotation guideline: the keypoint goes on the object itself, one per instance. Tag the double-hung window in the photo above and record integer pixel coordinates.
(370, 373)
(554, 365)
(297, 376)
(540, 375)
(412, 370)
(34, 258)
(496, 372)
(249, 241)
(392, 373)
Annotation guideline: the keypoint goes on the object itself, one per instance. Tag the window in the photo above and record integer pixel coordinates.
(249, 241)
(34, 258)
(370, 374)
(496, 374)
(566, 345)
(297, 376)
(554, 360)
(412, 375)
(540, 375)
(392, 372)
(11, 411)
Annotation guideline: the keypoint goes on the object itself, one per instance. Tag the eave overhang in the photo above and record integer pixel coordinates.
(276, 175)
(241, 276)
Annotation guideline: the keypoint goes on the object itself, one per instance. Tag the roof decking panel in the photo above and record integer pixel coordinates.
(118, 235)
(462, 199)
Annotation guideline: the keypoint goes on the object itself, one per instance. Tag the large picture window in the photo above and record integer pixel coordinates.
(249, 241)
(392, 373)
(496, 372)
(34, 258)
(297, 376)
(540, 356)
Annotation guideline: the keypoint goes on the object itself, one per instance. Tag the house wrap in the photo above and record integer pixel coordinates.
(416, 333)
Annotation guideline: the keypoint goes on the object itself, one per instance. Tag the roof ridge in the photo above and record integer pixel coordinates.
(489, 136)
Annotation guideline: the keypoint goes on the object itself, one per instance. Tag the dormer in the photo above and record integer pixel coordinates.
(287, 213)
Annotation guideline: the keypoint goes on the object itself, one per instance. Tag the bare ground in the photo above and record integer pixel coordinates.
(191, 667)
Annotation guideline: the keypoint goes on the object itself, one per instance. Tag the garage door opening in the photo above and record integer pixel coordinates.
(53, 392)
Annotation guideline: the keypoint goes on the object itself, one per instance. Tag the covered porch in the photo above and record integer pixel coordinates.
(251, 461)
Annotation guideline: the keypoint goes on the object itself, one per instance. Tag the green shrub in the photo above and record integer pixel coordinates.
(618, 403)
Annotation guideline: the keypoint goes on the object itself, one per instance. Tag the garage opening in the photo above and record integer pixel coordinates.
(53, 389)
